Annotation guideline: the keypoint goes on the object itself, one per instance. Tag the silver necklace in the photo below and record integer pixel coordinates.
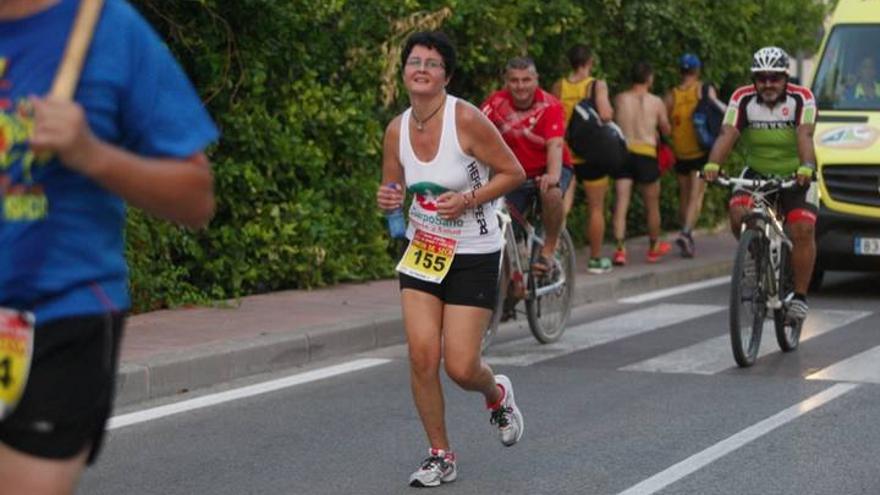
(420, 123)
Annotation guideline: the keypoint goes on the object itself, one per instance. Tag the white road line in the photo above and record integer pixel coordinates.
(859, 368)
(674, 291)
(701, 459)
(241, 393)
(524, 352)
(713, 355)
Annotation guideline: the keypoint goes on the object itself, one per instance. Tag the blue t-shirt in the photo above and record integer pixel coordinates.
(61, 234)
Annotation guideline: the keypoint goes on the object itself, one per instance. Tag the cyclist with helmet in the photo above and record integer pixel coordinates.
(775, 119)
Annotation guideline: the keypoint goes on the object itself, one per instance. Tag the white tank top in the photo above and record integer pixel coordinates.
(476, 230)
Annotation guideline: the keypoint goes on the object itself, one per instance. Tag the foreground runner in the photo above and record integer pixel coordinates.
(135, 132)
(775, 119)
(443, 149)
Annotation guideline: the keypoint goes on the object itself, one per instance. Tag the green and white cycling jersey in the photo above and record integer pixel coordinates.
(769, 135)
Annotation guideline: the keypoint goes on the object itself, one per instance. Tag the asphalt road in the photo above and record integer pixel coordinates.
(639, 397)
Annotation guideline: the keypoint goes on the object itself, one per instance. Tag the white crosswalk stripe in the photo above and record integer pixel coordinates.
(862, 367)
(712, 356)
(525, 352)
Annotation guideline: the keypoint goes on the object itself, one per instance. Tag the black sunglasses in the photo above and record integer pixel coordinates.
(765, 77)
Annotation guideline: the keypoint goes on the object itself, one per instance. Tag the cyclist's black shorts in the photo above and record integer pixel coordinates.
(472, 281)
(686, 166)
(797, 204)
(70, 390)
(522, 196)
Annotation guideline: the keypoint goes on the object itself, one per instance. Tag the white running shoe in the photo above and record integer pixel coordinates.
(439, 467)
(797, 309)
(507, 417)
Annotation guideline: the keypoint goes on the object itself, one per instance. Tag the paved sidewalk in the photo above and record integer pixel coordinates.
(171, 351)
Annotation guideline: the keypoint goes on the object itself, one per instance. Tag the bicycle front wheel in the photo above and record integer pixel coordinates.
(748, 299)
(788, 333)
(501, 293)
(548, 304)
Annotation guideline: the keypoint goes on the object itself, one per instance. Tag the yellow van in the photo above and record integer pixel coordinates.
(846, 85)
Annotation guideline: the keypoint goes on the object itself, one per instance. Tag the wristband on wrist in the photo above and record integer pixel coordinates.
(711, 167)
(806, 170)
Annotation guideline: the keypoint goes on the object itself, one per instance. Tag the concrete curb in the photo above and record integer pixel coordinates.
(178, 372)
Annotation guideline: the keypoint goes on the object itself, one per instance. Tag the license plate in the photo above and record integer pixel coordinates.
(869, 246)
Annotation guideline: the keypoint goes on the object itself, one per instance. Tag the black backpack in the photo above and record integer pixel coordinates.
(595, 141)
(707, 119)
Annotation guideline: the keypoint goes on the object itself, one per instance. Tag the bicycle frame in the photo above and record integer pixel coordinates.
(763, 217)
(507, 215)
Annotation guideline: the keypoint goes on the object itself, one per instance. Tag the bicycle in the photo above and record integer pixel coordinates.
(762, 272)
(547, 297)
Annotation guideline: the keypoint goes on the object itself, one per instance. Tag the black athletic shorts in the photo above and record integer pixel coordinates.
(522, 195)
(686, 166)
(472, 281)
(69, 394)
(590, 171)
(642, 169)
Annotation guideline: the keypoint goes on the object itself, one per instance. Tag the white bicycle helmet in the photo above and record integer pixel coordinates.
(770, 59)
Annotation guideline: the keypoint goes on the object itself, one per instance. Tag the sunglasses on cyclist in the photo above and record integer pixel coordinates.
(768, 77)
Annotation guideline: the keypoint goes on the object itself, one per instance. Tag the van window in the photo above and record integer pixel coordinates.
(847, 76)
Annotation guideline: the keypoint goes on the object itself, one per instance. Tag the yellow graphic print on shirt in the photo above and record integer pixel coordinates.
(25, 200)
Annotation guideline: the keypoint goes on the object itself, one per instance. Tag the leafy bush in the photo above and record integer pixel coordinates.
(302, 91)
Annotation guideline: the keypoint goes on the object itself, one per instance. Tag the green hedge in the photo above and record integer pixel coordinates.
(302, 91)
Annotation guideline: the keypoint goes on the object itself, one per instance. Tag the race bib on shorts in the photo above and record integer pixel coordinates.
(428, 257)
(16, 350)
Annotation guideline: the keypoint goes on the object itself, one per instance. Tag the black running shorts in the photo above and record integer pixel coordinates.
(642, 169)
(70, 390)
(686, 166)
(472, 281)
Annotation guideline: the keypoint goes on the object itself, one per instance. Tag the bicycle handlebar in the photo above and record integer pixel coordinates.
(757, 183)
(754, 183)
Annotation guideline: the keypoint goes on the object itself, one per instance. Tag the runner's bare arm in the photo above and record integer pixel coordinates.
(669, 101)
(480, 139)
(663, 119)
(386, 197)
(556, 90)
(603, 103)
(180, 190)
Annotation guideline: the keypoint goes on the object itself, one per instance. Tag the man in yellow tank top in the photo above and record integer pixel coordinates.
(570, 90)
(680, 102)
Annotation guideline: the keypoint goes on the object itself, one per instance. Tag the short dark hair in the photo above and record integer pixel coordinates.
(435, 40)
(579, 55)
(520, 63)
(640, 73)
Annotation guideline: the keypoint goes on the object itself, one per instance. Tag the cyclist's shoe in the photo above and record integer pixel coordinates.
(599, 265)
(619, 258)
(660, 250)
(797, 309)
(685, 243)
(507, 416)
(438, 467)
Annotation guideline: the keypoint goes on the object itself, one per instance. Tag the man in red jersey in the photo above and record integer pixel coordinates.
(532, 123)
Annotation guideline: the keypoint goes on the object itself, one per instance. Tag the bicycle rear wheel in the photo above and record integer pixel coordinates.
(788, 333)
(748, 300)
(501, 293)
(548, 304)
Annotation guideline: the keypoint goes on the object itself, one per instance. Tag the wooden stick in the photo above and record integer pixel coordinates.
(78, 43)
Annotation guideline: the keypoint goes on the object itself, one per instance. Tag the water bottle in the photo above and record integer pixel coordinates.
(396, 222)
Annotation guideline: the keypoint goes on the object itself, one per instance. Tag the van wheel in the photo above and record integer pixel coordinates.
(816, 279)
